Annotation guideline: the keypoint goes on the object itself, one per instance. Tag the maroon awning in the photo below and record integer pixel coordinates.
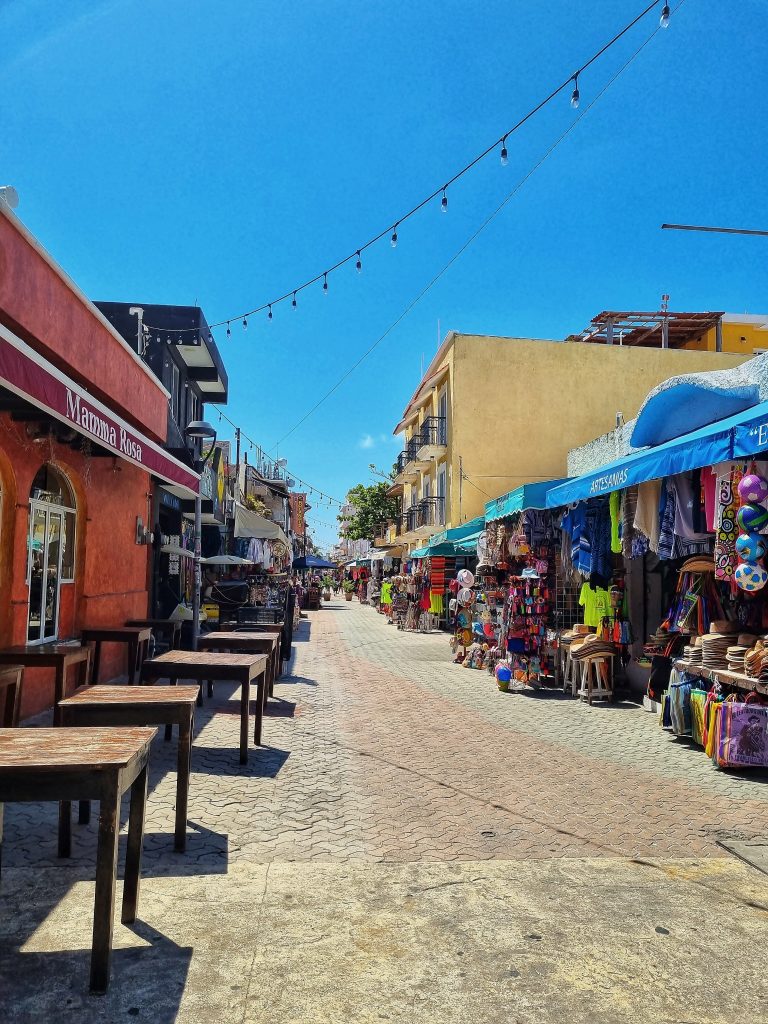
(39, 382)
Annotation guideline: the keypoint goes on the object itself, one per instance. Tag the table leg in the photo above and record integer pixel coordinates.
(183, 769)
(85, 669)
(210, 687)
(59, 684)
(133, 849)
(200, 696)
(1, 840)
(261, 699)
(245, 700)
(84, 812)
(96, 661)
(133, 657)
(106, 869)
(65, 828)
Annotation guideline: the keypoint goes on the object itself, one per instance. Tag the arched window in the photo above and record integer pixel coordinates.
(50, 550)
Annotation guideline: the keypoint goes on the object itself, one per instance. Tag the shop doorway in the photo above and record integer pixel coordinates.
(50, 552)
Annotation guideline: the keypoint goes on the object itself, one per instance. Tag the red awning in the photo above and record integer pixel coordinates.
(39, 382)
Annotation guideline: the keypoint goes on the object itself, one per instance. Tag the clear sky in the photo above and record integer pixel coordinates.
(187, 152)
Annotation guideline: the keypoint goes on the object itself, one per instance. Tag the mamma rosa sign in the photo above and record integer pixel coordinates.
(39, 382)
(100, 427)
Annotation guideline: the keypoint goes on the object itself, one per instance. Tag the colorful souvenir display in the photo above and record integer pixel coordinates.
(749, 574)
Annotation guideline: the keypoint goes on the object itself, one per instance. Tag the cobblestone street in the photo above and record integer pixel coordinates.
(389, 770)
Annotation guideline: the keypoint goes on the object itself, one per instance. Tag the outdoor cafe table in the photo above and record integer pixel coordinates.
(169, 627)
(246, 643)
(142, 705)
(11, 678)
(60, 657)
(86, 764)
(202, 665)
(136, 637)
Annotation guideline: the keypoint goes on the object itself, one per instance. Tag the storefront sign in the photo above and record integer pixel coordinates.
(298, 504)
(39, 382)
(170, 500)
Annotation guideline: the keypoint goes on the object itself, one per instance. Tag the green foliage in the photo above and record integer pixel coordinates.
(349, 586)
(372, 507)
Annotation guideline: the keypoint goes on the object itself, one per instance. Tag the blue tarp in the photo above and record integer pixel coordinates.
(739, 436)
(532, 495)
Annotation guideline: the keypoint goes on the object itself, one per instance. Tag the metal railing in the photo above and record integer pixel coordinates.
(433, 431)
(409, 452)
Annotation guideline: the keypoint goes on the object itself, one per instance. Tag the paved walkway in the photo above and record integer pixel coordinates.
(389, 773)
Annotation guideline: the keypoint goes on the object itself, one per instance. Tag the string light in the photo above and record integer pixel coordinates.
(325, 283)
(229, 330)
(245, 323)
(355, 254)
(269, 314)
(359, 264)
(294, 300)
(444, 203)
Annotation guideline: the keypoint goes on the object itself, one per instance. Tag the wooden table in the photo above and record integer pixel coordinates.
(60, 657)
(11, 679)
(142, 705)
(246, 643)
(93, 764)
(136, 637)
(202, 665)
(170, 627)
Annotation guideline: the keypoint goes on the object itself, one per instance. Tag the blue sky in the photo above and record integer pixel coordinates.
(184, 152)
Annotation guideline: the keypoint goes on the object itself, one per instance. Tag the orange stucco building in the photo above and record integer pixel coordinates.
(83, 422)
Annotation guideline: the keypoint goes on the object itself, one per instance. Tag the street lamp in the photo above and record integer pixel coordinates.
(198, 430)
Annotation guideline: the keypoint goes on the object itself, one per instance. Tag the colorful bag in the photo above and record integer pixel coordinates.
(742, 735)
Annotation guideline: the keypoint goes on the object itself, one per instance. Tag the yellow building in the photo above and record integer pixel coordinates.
(493, 413)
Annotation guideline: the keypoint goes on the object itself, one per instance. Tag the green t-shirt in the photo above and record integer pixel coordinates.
(596, 604)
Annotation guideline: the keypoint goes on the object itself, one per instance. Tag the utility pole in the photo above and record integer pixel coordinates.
(236, 494)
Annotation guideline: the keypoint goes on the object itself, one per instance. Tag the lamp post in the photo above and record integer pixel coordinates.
(198, 430)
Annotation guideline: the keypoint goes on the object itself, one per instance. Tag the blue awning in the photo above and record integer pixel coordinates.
(533, 495)
(736, 437)
(457, 533)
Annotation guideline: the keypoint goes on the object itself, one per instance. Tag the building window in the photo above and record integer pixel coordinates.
(50, 551)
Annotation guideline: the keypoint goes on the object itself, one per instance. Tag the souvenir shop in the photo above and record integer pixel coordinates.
(687, 550)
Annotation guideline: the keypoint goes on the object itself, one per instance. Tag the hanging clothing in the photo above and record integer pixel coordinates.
(687, 507)
(596, 602)
(727, 529)
(647, 514)
(614, 506)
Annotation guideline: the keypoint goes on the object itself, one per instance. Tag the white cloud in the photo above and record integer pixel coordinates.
(366, 441)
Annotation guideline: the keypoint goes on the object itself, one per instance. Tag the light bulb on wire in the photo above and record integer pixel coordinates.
(269, 314)
(504, 154)
(359, 264)
(229, 330)
(393, 239)
(293, 303)
(245, 323)
(325, 283)
(444, 203)
(575, 93)
(665, 15)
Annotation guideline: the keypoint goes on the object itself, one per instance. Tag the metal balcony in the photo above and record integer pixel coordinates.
(433, 438)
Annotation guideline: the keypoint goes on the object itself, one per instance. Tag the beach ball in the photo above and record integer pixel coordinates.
(753, 487)
(750, 577)
(465, 596)
(750, 547)
(488, 630)
(752, 517)
(503, 673)
(465, 577)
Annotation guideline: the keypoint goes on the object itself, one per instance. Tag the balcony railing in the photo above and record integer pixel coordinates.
(410, 518)
(409, 452)
(431, 512)
(433, 431)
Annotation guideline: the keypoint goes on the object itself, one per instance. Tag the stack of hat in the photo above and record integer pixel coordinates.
(693, 651)
(715, 649)
(575, 633)
(591, 646)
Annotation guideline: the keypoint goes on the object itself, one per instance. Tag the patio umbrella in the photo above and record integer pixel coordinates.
(226, 560)
(312, 562)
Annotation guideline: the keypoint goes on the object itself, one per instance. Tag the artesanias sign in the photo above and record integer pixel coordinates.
(34, 379)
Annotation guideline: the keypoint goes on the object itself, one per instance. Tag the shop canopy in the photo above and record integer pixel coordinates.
(457, 533)
(737, 437)
(533, 495)
(250, 524)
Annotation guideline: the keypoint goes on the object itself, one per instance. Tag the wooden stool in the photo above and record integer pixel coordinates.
(11, 678)
(593, 681)
(571, 673)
